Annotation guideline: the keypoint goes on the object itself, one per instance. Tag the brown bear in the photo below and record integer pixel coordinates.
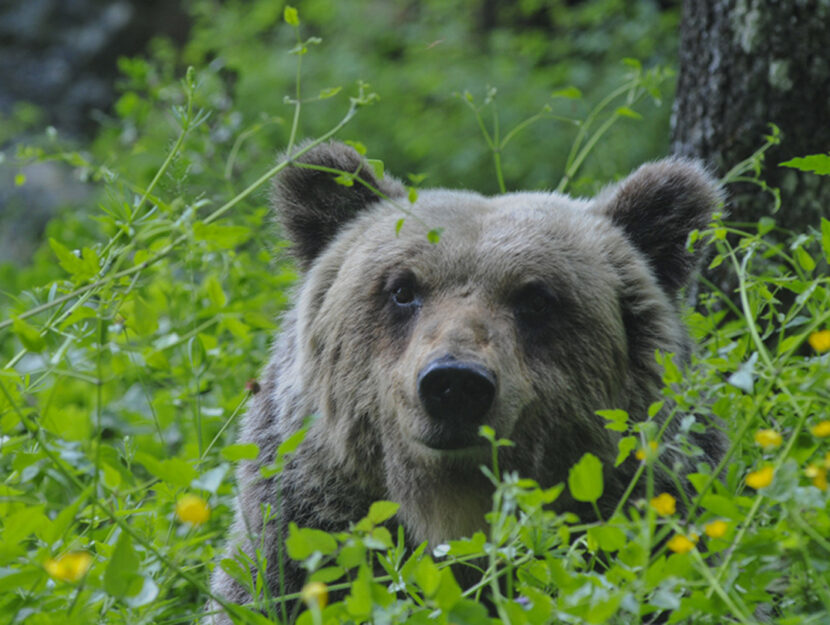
(533, 311)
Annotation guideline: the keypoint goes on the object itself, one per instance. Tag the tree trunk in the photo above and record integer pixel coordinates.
(745, 64)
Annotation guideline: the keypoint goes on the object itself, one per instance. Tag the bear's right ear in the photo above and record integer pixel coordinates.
(312, 207)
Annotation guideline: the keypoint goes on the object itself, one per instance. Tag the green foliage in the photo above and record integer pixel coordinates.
(131, 344)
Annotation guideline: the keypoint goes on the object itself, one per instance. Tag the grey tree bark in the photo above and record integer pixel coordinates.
(744, 64)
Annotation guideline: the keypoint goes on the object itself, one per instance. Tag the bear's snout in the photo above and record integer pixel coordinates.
(456, 395)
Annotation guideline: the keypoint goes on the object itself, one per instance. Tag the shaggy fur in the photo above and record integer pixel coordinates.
(564, 300)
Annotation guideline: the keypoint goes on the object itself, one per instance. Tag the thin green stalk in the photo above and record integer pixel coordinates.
(166, 250)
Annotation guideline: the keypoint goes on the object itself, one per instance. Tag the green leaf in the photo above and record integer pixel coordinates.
(412, 195)
(572, 93)
(585, 479)
(325, 94)
(380, 511)
(617, 419)
(449, 592)
(427, 576)
(825, 238)
(80, 268)
(816, 163)
(359, 601)
(19, 180)
(359, 147)
(434, 235)
(377, 167)
(721, 506)
(398, 226)
(626, 445)
(28, 335)
(214, 291)
(804, 259)
(63, 521)
(765, 224)
(607, 537)
(290, 444)
(624, 111)
(24, 523)
(174, 471)
(241, 451)
(291, 16)
(122, 568)
(302, 542)
(221, 237)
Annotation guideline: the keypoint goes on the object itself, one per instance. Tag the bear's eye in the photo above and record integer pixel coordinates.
(403, 294)
(534, 303)
(403, 291)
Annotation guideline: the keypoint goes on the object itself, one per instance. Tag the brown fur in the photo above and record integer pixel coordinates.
(610, 269)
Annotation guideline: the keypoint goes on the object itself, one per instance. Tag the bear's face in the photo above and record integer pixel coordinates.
(533, 311)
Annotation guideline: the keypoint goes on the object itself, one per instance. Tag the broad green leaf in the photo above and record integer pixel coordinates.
(122, 568)
(24, 523)
(221, 237)
(377, 167)
(607, 537)
(434, 235)
(28, 335)
(804, 259)
(617, 419)
(412, 195)
(467, 546)
(302, 542)
(380, 511)
(626, 445)
(585, 479)
(825, 238)
(214, 291)
(174, 471)
(359, 601)
(358, 147)
(290, 444)
(240, 451)
(816, 163)
(427, 576)
(572, 93)
(449, 592)
(63, 521)
(80, 268)
(291, 16)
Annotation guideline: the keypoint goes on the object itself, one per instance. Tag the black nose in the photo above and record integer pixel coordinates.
(456, 392)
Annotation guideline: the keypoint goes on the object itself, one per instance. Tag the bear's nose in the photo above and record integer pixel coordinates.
(457, 392)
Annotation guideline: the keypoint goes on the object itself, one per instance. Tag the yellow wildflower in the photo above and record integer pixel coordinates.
(192, 509)
(664, 503)
(680, 544)
(70, 567)
(820, 341)
(821, 429)
(760, 478)
(315, 593)
(648, 452)
(768, 439)
(716, 529)
(818, 474)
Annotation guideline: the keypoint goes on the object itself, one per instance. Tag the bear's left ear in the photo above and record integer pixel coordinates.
(313, 206)
(658, 206)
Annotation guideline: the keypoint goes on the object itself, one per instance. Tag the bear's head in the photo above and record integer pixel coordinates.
(532, 312)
